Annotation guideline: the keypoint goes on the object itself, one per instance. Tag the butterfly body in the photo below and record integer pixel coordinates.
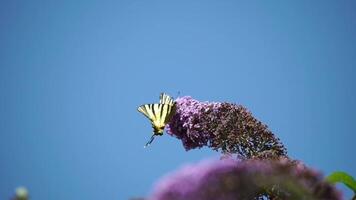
(159, 114)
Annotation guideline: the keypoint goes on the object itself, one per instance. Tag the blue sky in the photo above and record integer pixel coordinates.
(72, 74)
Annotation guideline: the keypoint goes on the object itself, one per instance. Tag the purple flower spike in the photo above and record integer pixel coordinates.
(227, 127)
(245, 180)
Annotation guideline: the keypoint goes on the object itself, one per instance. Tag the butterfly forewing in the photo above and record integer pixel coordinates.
(147, 111)
(166, 99)
(159, 114)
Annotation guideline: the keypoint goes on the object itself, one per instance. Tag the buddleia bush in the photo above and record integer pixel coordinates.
(245, 180)
(225, 127)
(261, 169)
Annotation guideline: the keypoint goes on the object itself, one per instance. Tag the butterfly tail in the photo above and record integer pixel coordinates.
(150, 141)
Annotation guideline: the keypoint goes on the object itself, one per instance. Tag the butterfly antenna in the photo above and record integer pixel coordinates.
(178, 93)
(150, 141)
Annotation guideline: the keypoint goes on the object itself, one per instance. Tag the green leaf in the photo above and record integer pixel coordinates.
(342, 177)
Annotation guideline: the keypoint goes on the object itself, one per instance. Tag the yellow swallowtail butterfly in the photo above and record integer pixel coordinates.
(159, 114)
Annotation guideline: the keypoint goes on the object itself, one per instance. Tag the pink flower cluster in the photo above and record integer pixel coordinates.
(227, 127)
(240, 180)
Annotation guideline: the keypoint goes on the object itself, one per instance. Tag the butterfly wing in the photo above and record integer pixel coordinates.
(166, 99)
(158, 114)
(147, 110)
(171, 111)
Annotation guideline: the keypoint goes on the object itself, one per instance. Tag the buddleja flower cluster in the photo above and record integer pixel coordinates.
(227, 127)
(245, 180)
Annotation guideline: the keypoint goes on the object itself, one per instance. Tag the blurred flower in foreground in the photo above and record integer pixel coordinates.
(250, 179)
(21, 193)
(227, 127)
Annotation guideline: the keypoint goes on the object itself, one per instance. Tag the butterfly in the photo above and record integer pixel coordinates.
(159, 114)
